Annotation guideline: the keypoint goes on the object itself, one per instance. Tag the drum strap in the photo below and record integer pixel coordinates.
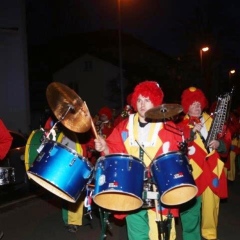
(141, 153)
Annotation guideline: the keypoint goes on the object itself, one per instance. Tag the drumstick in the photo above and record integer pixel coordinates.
(156, 204)
(94, 129)
(92, 123)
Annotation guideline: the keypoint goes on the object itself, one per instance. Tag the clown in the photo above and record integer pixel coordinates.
(103, 121)
(145, 140)
(200, 216)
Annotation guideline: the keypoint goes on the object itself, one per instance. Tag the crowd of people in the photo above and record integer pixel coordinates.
(213, 166)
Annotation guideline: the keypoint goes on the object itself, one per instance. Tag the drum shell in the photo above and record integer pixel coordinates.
(61, 170)
(173, 177)
(119, 182)
(34, 141)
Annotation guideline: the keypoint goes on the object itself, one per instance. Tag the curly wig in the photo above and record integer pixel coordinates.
(107, 111)
(149, 89)
(191, 95)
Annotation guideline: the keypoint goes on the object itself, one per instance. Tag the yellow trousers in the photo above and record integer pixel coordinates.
(232, 155)
(210, 212)
(72, 213)
(153, 233)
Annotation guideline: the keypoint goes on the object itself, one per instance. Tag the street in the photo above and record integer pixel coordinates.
(37, 216)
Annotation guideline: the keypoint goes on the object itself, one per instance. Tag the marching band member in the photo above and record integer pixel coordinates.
(200, 216)
(104, 123)
(154, 140)
(72, 213)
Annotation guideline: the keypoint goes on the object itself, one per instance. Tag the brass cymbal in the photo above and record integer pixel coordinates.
(68, 107)
(164, 111)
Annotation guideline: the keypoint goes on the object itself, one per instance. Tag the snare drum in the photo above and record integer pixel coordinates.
(173, 176)
(7, 175)
(61, 170)
(119, 182)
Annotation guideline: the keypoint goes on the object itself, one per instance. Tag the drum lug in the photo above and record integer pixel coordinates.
(130, 165)
(40, 156)
(72, 162)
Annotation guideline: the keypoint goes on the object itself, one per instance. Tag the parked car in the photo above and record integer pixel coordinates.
(12, 168)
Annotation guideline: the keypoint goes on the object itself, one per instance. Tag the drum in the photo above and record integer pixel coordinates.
(7, 175)
(119, 182)
(33, 143)
(173, 177)
(61, 170)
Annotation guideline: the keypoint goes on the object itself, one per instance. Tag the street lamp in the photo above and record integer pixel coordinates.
(204, 49)
(230, 74)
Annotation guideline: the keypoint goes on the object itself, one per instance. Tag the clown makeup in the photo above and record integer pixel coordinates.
(143, 104)
(103, 117)
(195, 109)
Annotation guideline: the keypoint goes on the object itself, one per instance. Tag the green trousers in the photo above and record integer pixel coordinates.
(190, 214)
(137, 225)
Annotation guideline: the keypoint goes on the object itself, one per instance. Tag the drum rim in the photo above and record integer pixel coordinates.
(70, 150)
(66, 147)
(167, 153)
(121, 155)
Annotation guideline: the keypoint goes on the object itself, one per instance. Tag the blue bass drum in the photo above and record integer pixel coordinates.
(172, 175)
(119, 180)
(61, 170)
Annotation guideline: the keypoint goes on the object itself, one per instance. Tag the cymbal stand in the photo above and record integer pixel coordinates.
(104, 223)
(163, 228)
(162, 225)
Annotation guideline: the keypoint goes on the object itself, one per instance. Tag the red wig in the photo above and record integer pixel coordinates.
(191, 95)
(149, 89)
(107, 111)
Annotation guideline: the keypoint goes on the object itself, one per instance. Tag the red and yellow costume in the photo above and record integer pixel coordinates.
(208, 171)
(145, 141)
(158, 141)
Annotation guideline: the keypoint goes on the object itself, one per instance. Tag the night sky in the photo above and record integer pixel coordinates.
(166, 25)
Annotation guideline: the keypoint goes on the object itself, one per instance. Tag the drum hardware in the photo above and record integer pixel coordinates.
(163, 227)
(104, 217)
(88, 201)
(164, 111)
(149, 195)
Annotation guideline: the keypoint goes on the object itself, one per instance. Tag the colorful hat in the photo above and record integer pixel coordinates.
(191, 95)
(107, 111)
(149, 89)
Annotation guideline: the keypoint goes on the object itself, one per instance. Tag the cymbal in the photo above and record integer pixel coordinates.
(164, 111)
(68, 107)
